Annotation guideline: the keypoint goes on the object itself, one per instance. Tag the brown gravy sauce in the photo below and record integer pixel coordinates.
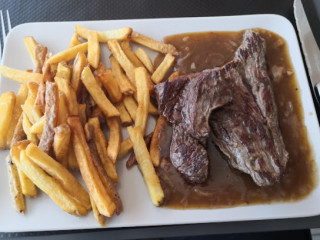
(226, 186)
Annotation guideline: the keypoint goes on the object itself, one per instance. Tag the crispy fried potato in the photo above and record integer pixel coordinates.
(111, 85)
(72, 160)
(146, 167)
(69, 93)
(104, 202)
(125, 45)
(40, 57)
(82, 113)
(122, 59)
(51, 117)
(96, 112)
(40, 99)
(28, 188)
(145, 59)
(37, 128)
(93, 49)
(105, 36)
(102, 147)
(63, 71)
(32, 90)
(154, 146)
(143, 98)
(125, 147)
(30, 44)
(74, 40)
(60, 173)
(174, 75)
(97, 94)
(125, 85)
(162, 69)
(79, 63)
(17, 110)
(68, 54)
(28, 108)
(131, 106)
(19, 76)
(114, 138)
(48, 185)
(62, 109)
(97, 215)
(153, 44)
(26, 124)
(61, 143)
(7, 103)
(124, 115)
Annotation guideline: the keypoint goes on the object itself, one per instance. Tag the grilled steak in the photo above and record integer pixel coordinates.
(244, 121)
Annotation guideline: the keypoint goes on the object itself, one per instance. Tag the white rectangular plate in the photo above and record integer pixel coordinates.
(42, 214)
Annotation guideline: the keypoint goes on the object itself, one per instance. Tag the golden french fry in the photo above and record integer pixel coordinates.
(154, 145)
(143, 98)
(28, 108)
(162, 69)
(105, 204)
(131, 106)
(153, 44)
(72, 160)
(174, 75)
(26, 124)
(37, 128)
(7, 103)
(125, 147)
(68, 54)
(30, 44)
(97, 94)
(97, 215)
(19, 76)
(28, 188)
(125, 85)
(114, 138)
(93, 49)
(40, 99)
(74, 40)
(62, 109)
(61, 143)
(63, 71)
(145, 59)
(15, 186)
(69, 93)
(17, 110)
(48, 185)
(124, 115)
(51, 117)
(119, 34)
(146, 167)
(79, 63)
(32, 90)
(60, 173)
(96, 112)
(39, 58)
(102, 147)
(111, 85)
(125, 45)
(82, 113)
(122, 59)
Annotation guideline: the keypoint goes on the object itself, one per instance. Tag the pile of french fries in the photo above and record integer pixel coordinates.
(54, 124)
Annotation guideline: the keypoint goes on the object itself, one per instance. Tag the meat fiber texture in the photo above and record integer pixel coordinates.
(237, 99)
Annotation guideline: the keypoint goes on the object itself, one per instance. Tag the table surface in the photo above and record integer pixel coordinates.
(71, 10)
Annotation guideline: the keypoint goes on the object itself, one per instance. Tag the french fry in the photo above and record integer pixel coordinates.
(40, 57)
(114, 138)
(7, 103)
(153, 44)
(124, 115)
(68, 54)
(125, 85)
(93, 49)
(61, 143)
(162, 69)
(40, 99)
(131, 106)
(174, 75)
(28, 108)
(143, 98)
(74, 40)
(89, 173)
(146, 167)
(145, 59)
(125, 147)
(69, 93)
(32, 90)
(51, 117)
(155, 142)
(122, 59)
(79, 63)
(125, 45)
(48, 185)
(62, 109)
(102, 147)
(26, 124)
(111, 85)
(19, 76)
(63, 71)
(60, 173)
(96, 112)
(82, 113)
(72, 160)
(30, 44)
(28, 188)
(37, 128)
(105, 36)
(17, 110)
(97, 215)
(97, 94)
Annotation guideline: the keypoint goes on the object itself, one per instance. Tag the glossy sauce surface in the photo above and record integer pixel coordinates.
(226, 186)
